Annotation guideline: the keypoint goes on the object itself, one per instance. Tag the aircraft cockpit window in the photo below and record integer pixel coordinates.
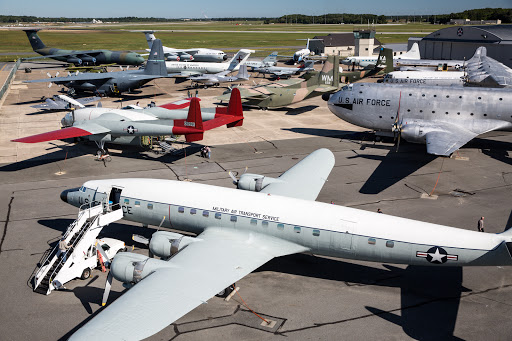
(233, 218)
(347, 87)
(390, 243)
(150, 206)
(82, 189)
(218, 215)
(181, 209)
(316, 233)
(206, 214)
(193, 211)
(372, 241)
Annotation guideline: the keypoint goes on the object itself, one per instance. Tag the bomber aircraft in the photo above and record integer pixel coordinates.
(239, 230)
(127, 126)
(196, 54)
(443, 117)
(113, 83)
(79, 57)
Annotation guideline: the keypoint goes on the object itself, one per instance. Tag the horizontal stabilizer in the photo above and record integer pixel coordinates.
(180, 104)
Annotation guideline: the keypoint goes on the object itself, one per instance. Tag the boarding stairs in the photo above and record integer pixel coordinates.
(81, 237)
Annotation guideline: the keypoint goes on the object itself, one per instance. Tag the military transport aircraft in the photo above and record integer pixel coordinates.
(121, 126)
(412, 54)
(283, 71)
(443, 117)
(487, 72)
(187, 69)
(114, 83)
(79, 57)
(196, 54)
(240, 230)
(221, 77)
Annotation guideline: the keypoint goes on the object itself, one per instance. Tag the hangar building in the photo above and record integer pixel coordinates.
(459, 42)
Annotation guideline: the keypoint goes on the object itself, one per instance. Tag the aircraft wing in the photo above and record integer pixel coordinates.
(449, 137)
(326, 88)
(79, 77)
(218, 258)
(91, 53)
(184, 74)
(51, 104)
(306, 179)
(84, 129)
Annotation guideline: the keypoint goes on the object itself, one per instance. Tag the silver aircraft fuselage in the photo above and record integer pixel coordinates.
(375, 106)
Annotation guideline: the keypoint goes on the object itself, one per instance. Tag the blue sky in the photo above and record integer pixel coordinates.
(222, 8)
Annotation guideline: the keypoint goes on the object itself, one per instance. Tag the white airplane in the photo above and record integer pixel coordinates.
(302, 54)
(197, 54)
(187, 69)
(425, 77)
(413, 53)
(269, 60)
(221, 77)
(240, 230)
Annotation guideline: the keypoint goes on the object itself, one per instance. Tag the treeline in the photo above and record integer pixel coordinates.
(505, 14)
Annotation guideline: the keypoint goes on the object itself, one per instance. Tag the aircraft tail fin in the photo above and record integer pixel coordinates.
(243, 74)
(235, 107)
(384, 63)
(150, 37)
(477, 57)
(192, 127)
(413, 53)
(271, 58)
(330, 73)
(34, 39)
(156, 61)
(239, 58)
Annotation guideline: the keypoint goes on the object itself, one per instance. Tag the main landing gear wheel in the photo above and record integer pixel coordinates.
(225, 292)
(86, 273)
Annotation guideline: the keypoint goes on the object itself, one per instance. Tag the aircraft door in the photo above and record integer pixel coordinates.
(342, 241)
(115, 198)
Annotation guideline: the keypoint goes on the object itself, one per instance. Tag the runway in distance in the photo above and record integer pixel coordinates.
(113, 83)
(81, 57)
(239, 230)
(195, 54)
(443, 117)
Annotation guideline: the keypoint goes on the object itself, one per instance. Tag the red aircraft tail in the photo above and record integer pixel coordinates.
(234, 109)
(192, 127)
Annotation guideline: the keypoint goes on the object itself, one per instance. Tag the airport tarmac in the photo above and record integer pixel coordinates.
(309, 298)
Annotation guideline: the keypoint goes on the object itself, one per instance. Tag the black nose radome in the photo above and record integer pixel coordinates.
(64, 194)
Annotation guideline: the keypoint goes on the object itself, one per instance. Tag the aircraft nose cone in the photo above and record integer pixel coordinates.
(64, 194)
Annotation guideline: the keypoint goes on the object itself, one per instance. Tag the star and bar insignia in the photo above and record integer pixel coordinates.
(437, 255)
(131, 130)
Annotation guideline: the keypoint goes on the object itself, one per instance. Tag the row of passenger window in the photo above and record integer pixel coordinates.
(137, 204)
(234, 219)
(373, 241)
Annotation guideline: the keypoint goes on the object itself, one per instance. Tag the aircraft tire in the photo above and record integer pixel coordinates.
(86, 273)
(225, 292)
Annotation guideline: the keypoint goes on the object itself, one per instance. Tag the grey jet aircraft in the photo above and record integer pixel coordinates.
(114, 83)
(269, 60)
(285, 72)
(221, 77)
(82, 57)
(62, 102)
(444, 118)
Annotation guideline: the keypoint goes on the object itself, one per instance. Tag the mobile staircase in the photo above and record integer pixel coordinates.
(81, 238)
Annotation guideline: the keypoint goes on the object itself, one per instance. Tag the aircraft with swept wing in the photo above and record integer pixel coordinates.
(62, 102)
(283, 71)
(114, 83)
(269, 60)
(195, 54)
(122, 126)
(221, 77)
(81, 57)
(239, 230)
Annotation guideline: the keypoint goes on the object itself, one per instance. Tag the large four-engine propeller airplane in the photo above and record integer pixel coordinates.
(240, 230)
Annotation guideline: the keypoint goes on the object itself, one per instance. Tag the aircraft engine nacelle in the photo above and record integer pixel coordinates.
(88, 59)
(165, 244)
(186, 56)
(254, 182)
(128, 267)
(415, 132)
(74, 60)
(173, 58)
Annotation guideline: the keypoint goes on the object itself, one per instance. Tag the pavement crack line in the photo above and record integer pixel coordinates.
(439, 299)
(4, 234)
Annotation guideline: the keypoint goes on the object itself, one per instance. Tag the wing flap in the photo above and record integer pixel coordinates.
(306, 179)
(217, 259)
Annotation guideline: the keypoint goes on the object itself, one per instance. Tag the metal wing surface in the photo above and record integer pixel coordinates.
(216, 260)
(306, 179)
(79, 77)
(51, 104)
(84, 129)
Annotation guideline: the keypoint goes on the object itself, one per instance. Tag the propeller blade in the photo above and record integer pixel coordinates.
(49, 75)
(232, 175)
(69, 73)
(121, 67)
(108, 285)
(57, 74)
(106, 260)
(77, 72)
(246, 168)
(140, 239)
(99, 105)
(398, 143)
(50, 85)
